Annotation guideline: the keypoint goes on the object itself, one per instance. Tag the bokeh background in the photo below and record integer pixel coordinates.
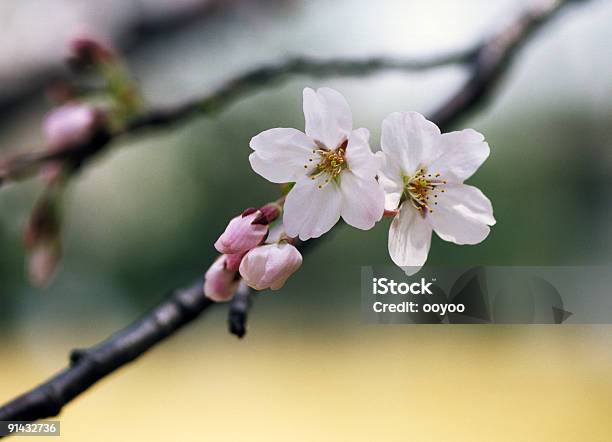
(143, 217)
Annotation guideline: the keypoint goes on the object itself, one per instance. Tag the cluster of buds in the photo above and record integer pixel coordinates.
(246, 255)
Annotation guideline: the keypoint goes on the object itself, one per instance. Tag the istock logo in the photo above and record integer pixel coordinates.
(383, 286)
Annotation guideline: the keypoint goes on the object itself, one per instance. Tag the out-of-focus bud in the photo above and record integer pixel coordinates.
(70, 124)
(85, 51)
(220, 283)
(243, 233)
(42, 238)
(67, 126)
(270, 266)
(43, 261)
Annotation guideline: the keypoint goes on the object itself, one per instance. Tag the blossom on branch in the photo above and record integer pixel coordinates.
(423, 173)
(332, 165)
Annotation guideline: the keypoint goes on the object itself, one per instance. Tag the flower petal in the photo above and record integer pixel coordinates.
(281, 154)
(359, 157)
(410, 140)
(363, 200)
(409, 239)
(312, 208)
(463, 214)
(328, 116)
(462, 153)
(390, 177)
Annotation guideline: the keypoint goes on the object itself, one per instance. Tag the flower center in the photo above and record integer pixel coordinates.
(420, 189)
(330, 162)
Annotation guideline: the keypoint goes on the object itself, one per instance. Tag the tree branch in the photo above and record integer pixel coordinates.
(488, 63)
(90, 365)
(24, 165)
(239, 310)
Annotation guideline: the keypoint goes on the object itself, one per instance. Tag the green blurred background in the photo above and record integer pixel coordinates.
(142, 219)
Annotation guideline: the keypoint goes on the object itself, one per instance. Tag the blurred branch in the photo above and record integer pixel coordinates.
(135, 30)
(21, 166)
(487, 63)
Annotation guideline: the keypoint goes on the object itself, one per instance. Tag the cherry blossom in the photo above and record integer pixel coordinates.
(332, 166)
(422, 174)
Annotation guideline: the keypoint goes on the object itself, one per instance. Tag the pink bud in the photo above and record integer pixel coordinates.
(242, 234)
(220, 283)
(269, 266)
(269, 213)
(43, 239)
(232, 262)
(69, 124)
(43, 261)
(86, 50)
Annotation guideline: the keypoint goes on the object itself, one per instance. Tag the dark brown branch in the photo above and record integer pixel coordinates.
(239, 310)
(87, 367)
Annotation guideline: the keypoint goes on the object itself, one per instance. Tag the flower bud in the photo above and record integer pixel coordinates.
(232, 262)
(43, 240)
(269, 213)
(70, 124)
(242, 233)
(85, 51)
(269, 266)
(43, 261)
(220, 283)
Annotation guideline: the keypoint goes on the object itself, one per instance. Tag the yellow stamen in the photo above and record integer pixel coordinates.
(419, 187)
(331, 162)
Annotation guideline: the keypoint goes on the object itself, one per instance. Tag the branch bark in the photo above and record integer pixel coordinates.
(488, 63)
(90, 365)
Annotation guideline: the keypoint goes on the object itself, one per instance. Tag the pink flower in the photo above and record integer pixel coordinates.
(269, 266)
(243, 233)
(69, 124)
(220, 283)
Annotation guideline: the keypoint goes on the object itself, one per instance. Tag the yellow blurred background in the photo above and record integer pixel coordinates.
(391, 383)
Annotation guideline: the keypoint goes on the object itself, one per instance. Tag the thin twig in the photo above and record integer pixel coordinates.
(89, 366)
(22, 166)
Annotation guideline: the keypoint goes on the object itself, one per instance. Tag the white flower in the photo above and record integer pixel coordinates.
(423, 172)
(332, 166)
